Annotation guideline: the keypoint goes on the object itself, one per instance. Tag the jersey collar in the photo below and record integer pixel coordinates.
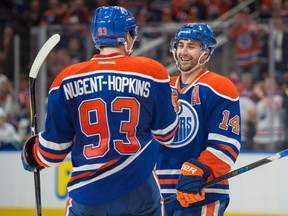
(108, 56)
(194, 81)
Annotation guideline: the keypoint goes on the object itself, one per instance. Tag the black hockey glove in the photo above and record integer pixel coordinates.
(28, 161)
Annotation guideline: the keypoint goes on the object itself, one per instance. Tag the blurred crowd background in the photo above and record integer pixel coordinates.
(252, 51)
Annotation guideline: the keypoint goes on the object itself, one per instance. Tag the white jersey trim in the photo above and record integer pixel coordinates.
(221, 156)
(222, 138)
(166, 130)
(46, 162)
(168, 172)
(118, 72)
(217, 93)
(53, 145)
(207, 190)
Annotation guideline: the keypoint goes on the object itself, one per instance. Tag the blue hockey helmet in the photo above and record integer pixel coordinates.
(195, 31)
(110, 25)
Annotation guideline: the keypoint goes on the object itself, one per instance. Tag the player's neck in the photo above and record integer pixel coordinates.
(187, 78)
(109, 50)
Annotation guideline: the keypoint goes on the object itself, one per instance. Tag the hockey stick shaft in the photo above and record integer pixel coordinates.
(33, 132)
(37, 63)
(238, 171)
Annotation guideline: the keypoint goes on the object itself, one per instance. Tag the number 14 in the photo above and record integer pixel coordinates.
(227, 121)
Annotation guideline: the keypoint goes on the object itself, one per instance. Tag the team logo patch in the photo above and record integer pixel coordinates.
(188, 125)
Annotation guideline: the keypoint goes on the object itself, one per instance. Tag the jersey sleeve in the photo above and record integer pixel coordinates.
(165, 119)
(223, 125)
(55, 141)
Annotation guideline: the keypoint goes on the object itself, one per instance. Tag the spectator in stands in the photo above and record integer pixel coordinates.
(269, 117)
(58, 60)
(9, 138)
(134, 6)
(191, 14)
(6, 51)
(285, 8)
(23, 113)
(285, 105)
(275, 8)
(279, 49)
(247, 85)
(216, 8)
(78, 10)
(191, 11)
(33, 14)
(76, 50)
(7, 97)
(55, 13)
(176, 6)
(247, 110)
(166, 16)
(244, 35)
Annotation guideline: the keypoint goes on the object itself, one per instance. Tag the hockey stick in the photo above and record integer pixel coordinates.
(239, 171)
(37, 63)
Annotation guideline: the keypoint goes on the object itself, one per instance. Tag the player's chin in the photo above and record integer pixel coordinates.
(185, 68)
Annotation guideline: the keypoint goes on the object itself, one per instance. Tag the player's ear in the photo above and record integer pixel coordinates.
(205, 56)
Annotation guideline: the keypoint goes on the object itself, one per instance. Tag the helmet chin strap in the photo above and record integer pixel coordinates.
(195, 67)
(129, 51)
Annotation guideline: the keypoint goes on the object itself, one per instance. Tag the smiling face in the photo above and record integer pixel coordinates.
(188, 53)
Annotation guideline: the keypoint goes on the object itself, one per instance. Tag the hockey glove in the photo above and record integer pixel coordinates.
(175, 99)
(189, 187)
(186, 199)
(28, 161)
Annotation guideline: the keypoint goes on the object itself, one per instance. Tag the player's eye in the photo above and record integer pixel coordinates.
(180, 45)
